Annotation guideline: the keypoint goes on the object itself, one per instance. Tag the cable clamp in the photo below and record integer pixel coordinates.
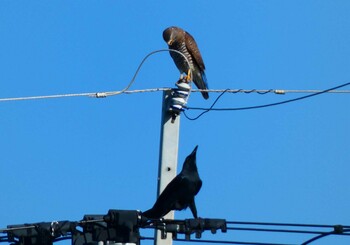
(279, 91)
(101, 95)
(338, 229)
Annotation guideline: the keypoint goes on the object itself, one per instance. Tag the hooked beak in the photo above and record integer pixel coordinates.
(170, 42)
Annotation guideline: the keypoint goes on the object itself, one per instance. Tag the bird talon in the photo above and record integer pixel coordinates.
(188, 77)
(183, 79)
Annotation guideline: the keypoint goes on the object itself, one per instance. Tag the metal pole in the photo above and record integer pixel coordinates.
(169, 142)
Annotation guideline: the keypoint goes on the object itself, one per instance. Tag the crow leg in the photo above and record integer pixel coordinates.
(193, 209)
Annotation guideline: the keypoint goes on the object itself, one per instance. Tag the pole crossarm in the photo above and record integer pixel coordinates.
(188, 227)
(117, 226)
(123, 227)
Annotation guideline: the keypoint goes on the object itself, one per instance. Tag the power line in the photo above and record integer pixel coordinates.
(121, 219)
(152, 90)
(275, 91)
(100, 94)
(232, 242)
(205, 110)
(343, 231)
(335, 232)
(90, 94)
(221, 242)
(283, 224)
(337, 229)
(275, 230)
(127, 91)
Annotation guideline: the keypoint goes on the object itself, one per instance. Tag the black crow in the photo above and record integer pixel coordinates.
(180, 192)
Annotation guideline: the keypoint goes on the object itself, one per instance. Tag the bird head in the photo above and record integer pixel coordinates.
(171, 34)
(191, 161)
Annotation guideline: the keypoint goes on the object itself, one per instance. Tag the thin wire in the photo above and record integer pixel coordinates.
(232, 242)
(275, 230)
(220, 241)
(49, 97)
(272, 104)
(99, 94)
(139, 67)
(282, 224)
(147, 238)
(266, 91)
(210, 108)
(125, 90)
(82, 222)
(258, 106)
(338, 230)
(149, 90)
(324, 235)
(92, 94)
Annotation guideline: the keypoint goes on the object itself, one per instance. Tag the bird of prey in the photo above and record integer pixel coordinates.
(182, 41)
(180, 192)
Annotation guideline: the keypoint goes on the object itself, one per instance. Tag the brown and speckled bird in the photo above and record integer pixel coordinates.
(182, 41)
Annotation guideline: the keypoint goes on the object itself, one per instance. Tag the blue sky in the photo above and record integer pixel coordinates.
(63, 158)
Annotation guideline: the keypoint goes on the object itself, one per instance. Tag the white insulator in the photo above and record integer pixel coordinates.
(183, 86)
(181, 93)
(178, 101)
(176, 107)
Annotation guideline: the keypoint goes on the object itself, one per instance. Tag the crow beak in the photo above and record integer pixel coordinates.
(195, 150)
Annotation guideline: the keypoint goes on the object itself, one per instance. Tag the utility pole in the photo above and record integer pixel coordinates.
(169, 142)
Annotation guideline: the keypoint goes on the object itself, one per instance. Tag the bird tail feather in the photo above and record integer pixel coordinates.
(150, 214)
(200, 80)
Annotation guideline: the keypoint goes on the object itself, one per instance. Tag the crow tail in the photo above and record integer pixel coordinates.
(151, 214)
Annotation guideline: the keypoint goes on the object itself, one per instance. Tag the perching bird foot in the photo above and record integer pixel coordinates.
(201, 224)
(183, 85)
(200, 227)
(188, 77)
(185, 78)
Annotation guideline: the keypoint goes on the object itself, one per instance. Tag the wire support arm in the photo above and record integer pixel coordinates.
(188, 227)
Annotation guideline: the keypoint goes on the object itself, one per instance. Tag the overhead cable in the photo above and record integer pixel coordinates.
(211, 108)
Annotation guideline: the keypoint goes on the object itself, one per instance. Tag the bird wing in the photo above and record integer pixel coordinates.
(169, 198)
(198, 186)
(174, 191)
(193, 49)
